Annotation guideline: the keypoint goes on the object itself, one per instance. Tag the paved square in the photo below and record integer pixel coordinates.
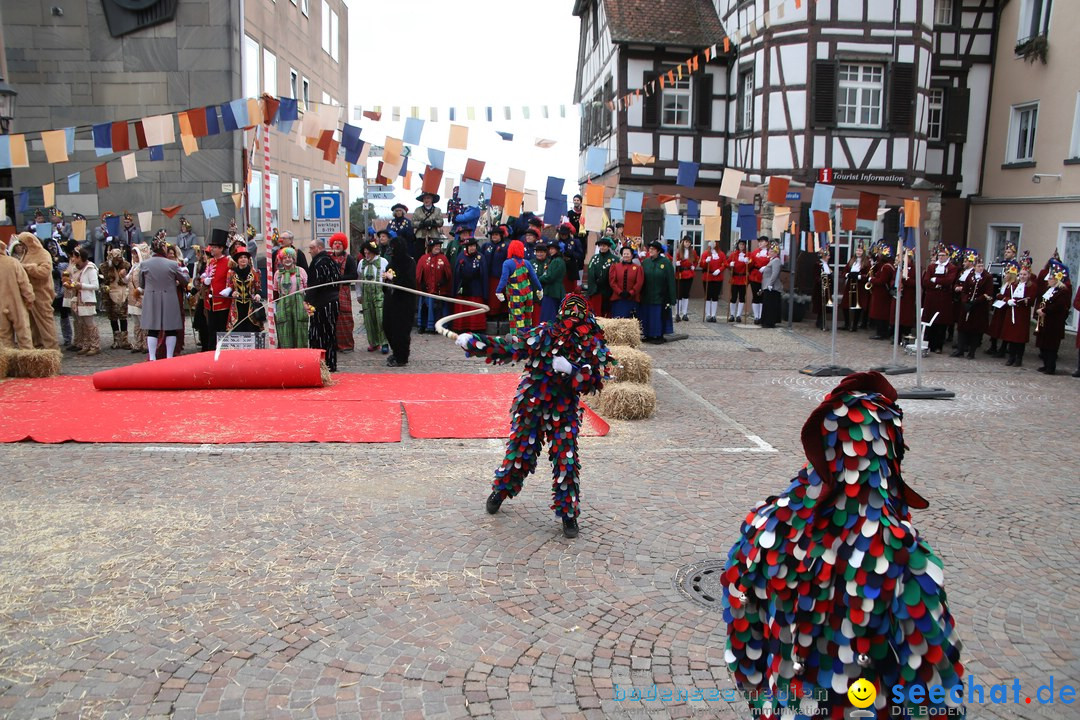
(282, 581)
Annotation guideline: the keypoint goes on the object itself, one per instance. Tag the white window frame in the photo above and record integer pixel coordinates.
(1074, 145)
(269, 80)
(255, 198)
(935, 114)
(293, 1)
(1073, 322)
(307, 200)
(252, 67)
(335, 32)
(1026, 19)
(943, 12)
(992, 231)
(305, 7)
(326, 99)
(305, 98)
(294, 83)
(295, 199)
(682, 88)
(868, 114)
(324, 26)
(1014, 152)
(747, 108)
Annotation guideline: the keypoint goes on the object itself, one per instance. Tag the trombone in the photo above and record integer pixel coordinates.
(853, 293)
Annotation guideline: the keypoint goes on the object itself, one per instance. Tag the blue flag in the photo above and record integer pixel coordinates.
(287, 111)
(157, 152)
(414, 127)
(211, 120)
(688, 172)
(73, 182)
(103, 137)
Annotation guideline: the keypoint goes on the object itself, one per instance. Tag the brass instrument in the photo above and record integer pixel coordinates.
(1041, 318)
(869, 276)
(826, 290)
(853, 294)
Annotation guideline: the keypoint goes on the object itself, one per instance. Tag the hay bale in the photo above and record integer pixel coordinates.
(621, 331)
(324, 374)
(3, 363)
(33, 363)
(633, 366)
(626, 401)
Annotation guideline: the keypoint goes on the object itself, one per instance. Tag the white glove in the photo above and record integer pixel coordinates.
(561, 365)
(109, 239)
(463, 340)
(715, 272)
(227, 292)
(539, 294)
(1012, 303)
(731, 264)
(501, 297)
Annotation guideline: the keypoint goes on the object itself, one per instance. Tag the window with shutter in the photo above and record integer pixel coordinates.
(902, 97)
(650, 113)
(703, 97)
(956, 114)
(824, 101)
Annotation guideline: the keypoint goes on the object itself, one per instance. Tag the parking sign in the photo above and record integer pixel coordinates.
(329, 213)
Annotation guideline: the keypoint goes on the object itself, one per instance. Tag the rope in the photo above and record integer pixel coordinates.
(440, 326)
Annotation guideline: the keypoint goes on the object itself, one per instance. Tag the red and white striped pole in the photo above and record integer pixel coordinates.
(271, 331)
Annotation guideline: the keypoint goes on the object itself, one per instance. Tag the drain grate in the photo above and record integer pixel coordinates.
(702, 584)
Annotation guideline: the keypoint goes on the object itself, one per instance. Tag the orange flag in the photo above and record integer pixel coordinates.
(170, 212)
(778, 188)
(848, 217)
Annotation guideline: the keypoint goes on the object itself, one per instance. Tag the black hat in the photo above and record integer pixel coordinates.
(219, 238)
(657, 244)
(370, 246)
(434, 241)
(532, 231)
(604, 240)
(434, 197)
(469, 241)
(497, 229)
(399, 205)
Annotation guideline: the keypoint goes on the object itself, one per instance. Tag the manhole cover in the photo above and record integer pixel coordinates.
(702, 583)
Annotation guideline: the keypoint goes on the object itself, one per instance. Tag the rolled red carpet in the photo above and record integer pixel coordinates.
(234, 369)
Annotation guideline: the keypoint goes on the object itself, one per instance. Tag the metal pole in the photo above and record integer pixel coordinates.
(789, 243)
(918, 313)
(835, 297)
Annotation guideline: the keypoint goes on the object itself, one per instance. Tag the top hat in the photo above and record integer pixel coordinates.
(219, 238)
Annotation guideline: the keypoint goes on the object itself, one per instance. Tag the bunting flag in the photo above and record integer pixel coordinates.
(48, 194)
(74, 180)
(778, 188)
(101, 176)
(848, 219)
(129, 166)
(868, 206)
(171, 211)
(55, 142)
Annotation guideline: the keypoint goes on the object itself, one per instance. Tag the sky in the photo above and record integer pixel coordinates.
(468, 53)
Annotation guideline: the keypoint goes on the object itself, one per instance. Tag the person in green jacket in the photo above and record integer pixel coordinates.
(657, 294)
(551, 277)
(597, 284)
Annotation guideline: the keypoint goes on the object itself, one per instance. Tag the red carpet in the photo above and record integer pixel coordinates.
(357, 408)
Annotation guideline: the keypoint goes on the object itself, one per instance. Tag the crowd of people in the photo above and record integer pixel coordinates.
(964, 298)
(150, 291)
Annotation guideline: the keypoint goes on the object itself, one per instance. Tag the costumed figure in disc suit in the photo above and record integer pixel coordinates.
(564, 359)
(830, 581)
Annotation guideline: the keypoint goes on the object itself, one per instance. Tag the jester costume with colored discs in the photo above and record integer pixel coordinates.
(563, 360)
(830, 582)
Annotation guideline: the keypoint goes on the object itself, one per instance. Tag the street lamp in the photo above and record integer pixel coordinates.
(7, 106)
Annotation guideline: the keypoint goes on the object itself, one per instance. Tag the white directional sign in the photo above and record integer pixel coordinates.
(329, 213)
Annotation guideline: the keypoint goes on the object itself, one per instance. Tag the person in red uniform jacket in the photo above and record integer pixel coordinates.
(907, 294)
(964, 259)
(881, 301)
(1050, 315)
(686, 260)
(938, 281)
(713, 264)
(854, 278)
(215, 278)
(433, 275)
(976, 293)
(739, 262)
(1019, 299)
(997, 316)
(626, 280)
(758, 260)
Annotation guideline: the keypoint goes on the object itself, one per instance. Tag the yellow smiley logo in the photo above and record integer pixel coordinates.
(862, 692)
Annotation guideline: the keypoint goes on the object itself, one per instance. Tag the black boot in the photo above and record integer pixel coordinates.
(1077, 373)
(569, 527)
(494, 502)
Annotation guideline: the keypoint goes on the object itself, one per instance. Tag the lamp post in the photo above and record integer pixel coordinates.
(7, 114)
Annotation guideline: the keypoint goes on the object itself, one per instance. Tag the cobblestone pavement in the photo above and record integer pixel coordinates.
(317, 581)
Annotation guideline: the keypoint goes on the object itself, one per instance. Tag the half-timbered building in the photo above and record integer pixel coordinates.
(627, 45)
(887, 96)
